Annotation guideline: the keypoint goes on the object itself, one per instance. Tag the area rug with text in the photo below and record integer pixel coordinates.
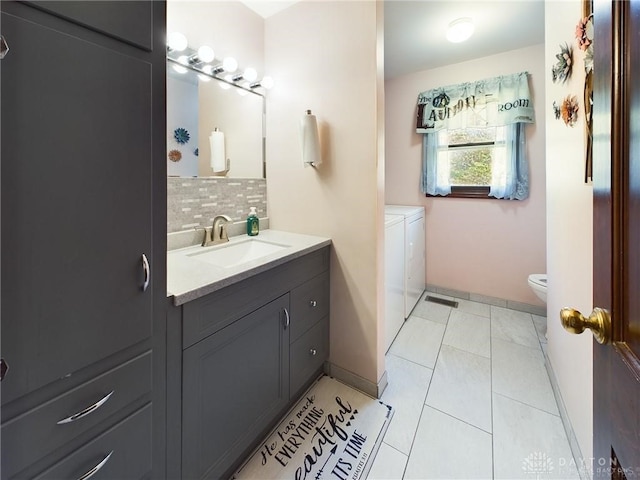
(333, 432)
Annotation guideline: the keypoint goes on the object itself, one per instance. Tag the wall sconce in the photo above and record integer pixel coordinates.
(229, 64)
(176, 42)
(249, 75)
(310, 140)
(267, 83)
(204, 55)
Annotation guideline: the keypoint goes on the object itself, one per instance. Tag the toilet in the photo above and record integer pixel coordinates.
(538, 283)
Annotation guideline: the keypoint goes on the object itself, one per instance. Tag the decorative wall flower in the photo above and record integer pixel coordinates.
(181, 135)
(562, 70)
(196, 152)
(556, 111)
(584, 32)
(569, 110)
(175, 155)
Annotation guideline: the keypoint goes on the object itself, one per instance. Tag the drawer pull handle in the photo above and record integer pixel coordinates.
(287, 320)
(86, 411)
(147, 272)
(313, 352)
(95, 469)
(313, 304)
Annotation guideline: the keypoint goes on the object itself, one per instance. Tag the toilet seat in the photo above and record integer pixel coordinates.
(539, 279)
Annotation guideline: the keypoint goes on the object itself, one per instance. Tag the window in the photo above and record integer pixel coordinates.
(468, 159)
(473, 141)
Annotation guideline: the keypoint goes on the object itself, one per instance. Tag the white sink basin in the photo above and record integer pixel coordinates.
(238, 253)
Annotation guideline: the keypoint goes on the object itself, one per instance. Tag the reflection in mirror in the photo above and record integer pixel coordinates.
(214, 127)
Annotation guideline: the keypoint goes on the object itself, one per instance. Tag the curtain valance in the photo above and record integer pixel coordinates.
(494, 101)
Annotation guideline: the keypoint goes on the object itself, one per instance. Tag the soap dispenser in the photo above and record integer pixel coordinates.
(253, 223)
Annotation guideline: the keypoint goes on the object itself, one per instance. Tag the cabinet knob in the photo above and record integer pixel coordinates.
(313, 352)
(4, 47)
(3, 368)
(313, 304)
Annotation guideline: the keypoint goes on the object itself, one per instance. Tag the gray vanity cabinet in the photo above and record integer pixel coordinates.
(238, 359)
(83, 216)
(234, 383)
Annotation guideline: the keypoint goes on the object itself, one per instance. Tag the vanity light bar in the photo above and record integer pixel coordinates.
(186, 58)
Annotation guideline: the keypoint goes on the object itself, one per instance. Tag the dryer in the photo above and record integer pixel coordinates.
(414, 253)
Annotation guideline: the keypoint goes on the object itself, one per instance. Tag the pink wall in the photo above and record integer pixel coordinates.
(569, 232)
(487, 247)
(323, 56)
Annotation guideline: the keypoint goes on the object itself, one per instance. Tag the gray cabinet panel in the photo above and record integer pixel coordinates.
(130, 442)
(76, 204)
(209, 314)
(308, 354)
(130, 21)
(37, 433)
(309, 303)
(235, 383)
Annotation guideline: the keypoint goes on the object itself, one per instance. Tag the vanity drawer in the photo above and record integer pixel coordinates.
(309, 303)
(35, 434)
(308, 353)
(123, 452)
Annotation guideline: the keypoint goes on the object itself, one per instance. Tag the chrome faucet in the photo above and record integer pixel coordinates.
(218, 232)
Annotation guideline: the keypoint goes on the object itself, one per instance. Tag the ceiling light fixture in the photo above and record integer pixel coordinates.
(460, 30)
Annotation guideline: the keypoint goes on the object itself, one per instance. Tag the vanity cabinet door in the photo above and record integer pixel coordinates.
(235, 383)
(77, 146)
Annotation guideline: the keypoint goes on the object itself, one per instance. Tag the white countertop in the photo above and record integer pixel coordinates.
(189, 278)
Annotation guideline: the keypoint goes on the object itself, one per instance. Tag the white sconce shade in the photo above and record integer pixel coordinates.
(267, 82)
(230, 64)
(205, 54)
(250, 74)
(176, 41)
(310, 140)
(460, 30)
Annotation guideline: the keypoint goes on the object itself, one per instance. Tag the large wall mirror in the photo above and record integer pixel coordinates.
(214, 127)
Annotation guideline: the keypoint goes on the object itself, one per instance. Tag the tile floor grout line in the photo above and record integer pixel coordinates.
(493, 425)
(450, 415)
(526, 404)
(426, 393)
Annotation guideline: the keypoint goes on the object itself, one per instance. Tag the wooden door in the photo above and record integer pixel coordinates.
(616, 182)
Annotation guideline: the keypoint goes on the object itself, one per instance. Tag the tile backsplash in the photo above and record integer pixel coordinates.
(193, 202)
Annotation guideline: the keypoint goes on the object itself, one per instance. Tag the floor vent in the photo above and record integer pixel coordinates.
(442, 301)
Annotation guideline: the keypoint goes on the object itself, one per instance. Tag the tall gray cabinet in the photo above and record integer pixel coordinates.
(83, 211)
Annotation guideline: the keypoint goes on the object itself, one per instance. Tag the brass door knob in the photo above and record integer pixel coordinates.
(599, 322)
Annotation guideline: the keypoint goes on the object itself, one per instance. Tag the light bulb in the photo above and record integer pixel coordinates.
(205, 54)
(176, 41)
(230, 64)
(204, 78)
(183, 59)
(460, 30)
(179, 69)
(242, 92)
(250, 74)
(267, 82)
(208, 69)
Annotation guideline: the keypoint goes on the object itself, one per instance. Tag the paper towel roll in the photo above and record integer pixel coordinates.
(218, 158)
(310, 140)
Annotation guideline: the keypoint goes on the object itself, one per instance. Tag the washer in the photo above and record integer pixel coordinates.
(393, 276)
(414, 253)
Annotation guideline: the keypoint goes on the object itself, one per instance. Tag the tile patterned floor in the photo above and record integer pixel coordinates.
(472, 398)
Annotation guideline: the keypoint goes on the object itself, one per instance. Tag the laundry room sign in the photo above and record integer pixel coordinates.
(333, 432)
